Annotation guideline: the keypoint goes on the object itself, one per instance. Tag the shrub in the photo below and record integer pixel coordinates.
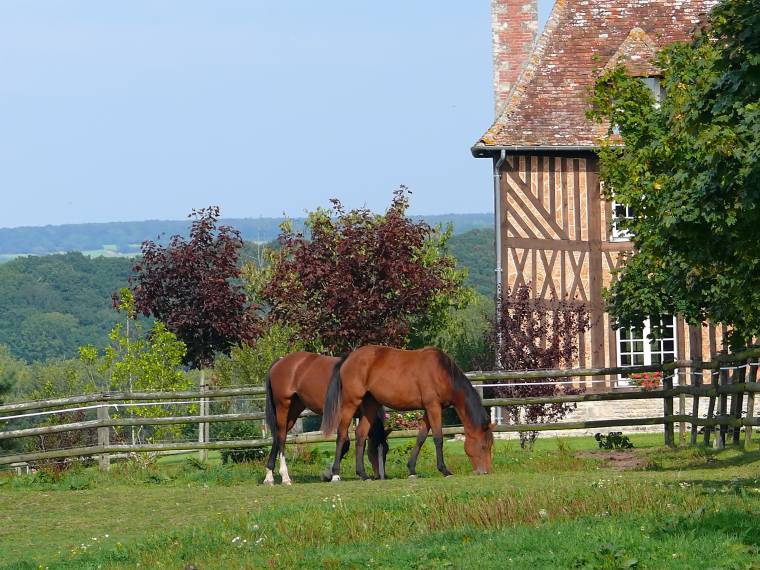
(243, 431)
(613, 440)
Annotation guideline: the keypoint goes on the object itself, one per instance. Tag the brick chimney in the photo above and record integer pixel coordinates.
(514, 29)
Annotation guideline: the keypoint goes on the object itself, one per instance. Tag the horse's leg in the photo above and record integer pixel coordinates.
(269, 477)
(346, 415)
(278, 439)
(295, 409)
(422, 432)
(369, 412)
(436, 425)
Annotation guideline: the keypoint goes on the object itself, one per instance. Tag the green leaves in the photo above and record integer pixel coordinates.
(690, 169)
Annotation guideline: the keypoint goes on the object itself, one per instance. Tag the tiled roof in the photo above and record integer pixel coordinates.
(547, 106)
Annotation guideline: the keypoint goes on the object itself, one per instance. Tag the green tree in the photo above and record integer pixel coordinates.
(134, 361)
(689, 166)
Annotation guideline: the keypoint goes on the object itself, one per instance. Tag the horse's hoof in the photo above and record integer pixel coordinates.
(326, 476)
(288, 482)
(412, 476)
(335, 479)
(268, 483)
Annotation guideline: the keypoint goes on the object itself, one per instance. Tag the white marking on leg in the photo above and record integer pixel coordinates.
(335, 479)
(284, 471)
(269, 478)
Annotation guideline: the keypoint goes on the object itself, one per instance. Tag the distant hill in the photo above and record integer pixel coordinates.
(50, 305)
(474, 250)
(114, 239)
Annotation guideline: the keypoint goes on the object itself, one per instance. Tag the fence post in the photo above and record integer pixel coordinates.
(203, 427)
(682, 424)
(751, 378)
(711, 405)
(737, 401)
(668, 409)
(720, 434)
(696, 382)
(104, 437)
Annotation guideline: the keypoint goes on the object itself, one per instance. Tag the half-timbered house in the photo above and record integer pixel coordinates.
(554, 229)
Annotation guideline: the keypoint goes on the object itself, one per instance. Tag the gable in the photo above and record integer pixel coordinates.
(547, 106)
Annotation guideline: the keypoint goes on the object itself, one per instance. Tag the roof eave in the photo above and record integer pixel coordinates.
(489, 151)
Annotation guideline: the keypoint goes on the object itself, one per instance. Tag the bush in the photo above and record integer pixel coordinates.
(242, 431)
(613, 440)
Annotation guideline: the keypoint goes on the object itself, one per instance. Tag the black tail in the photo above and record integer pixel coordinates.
(331, 410)
(271, 413)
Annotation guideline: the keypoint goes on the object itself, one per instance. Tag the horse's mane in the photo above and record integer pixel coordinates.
(472, 402)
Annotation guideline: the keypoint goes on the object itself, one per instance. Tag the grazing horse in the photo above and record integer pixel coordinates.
(299, 381)
(406, 380)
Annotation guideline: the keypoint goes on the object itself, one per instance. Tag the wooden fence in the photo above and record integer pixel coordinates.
(732, 377)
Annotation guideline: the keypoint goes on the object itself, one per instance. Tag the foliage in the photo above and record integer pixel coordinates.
(403, 420)
(537, 334)
(613, 440)
(227, 431)
(474, 251)
(49, 306)
(63, 440)
(249, 364)
(363, 278)
(190, 285)
(134, 361)
(465, 335)
(7, 381)
(646, 380)
(689, 166)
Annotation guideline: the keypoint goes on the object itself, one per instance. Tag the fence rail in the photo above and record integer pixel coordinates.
(732, 382)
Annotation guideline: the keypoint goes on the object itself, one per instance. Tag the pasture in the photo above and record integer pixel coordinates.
(562, 505)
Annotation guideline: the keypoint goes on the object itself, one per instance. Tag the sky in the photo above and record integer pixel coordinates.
(119, 111)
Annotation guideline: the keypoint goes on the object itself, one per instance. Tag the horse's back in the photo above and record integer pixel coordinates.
(401, 379)
(304, 374)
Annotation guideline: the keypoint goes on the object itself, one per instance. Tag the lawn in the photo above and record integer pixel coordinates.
(557, 506)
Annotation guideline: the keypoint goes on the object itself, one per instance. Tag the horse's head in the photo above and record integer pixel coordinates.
(478, 443)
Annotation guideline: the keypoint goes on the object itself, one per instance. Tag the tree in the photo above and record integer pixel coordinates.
(534, 334)
(191, 286)
(690, 168)
(363, 278)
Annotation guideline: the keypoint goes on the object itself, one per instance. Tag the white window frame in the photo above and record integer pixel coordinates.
(499, 415)
(616, 233)
(647, 351)
(655, 87)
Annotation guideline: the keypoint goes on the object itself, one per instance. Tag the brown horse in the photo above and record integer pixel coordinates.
(299, 381)
(406, 380)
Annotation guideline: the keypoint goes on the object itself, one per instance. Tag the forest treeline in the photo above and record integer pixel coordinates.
(126, 237)
(51, 305)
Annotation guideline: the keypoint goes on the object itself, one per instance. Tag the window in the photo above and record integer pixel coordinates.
(499, 415)
(653, 83)
(636, 349)
(619, 212)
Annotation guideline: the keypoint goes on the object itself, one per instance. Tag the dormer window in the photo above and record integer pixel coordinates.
(655, 87)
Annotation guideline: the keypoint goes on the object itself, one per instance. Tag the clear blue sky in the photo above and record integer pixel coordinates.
(139, 110)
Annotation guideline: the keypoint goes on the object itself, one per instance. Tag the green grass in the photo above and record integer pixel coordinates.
(549, 508)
